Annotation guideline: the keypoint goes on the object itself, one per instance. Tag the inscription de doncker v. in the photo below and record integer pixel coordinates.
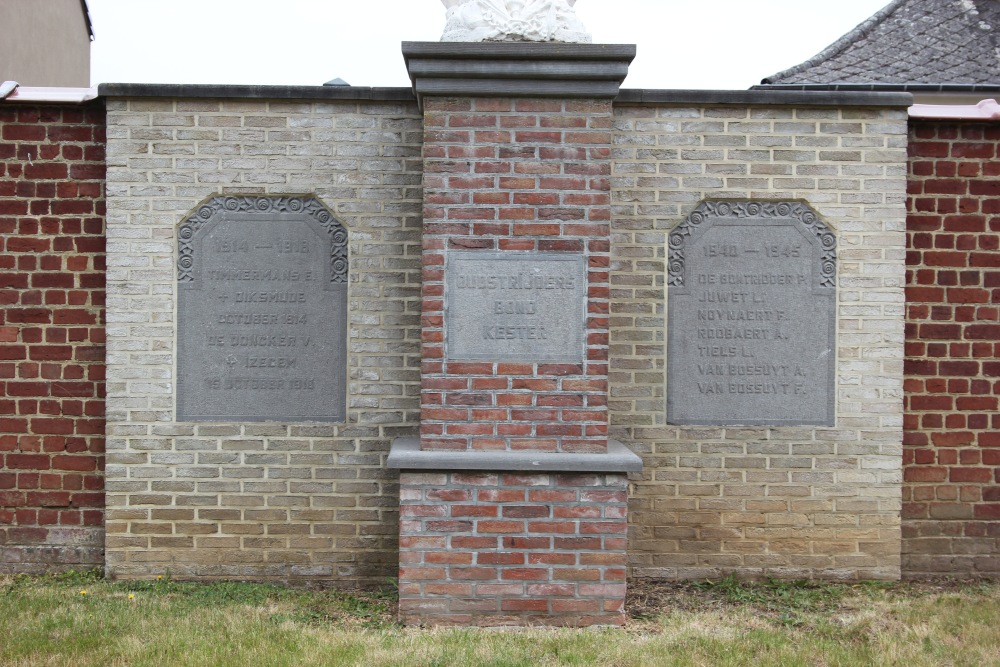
(515, 307)
(751, 316)
(262, 300)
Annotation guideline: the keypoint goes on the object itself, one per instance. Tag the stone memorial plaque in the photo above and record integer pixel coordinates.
(505, 306)
(751, 303)
(262, 312)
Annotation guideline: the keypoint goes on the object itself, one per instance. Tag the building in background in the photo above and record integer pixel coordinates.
(947, 54)
(942, 51)
(45, 43)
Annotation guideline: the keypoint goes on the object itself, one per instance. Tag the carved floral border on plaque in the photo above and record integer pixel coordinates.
(262, 311)
(748, 209)
(752, 316)
(306, 205)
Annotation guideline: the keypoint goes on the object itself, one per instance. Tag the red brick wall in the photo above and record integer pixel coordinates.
(516, 175)
(951, 495)
(51, 336)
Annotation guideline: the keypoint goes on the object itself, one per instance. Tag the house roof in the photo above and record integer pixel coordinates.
(86, 17)
(953, 43)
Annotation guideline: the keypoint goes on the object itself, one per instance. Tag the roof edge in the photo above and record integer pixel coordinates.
(985, 110)
(883, 87)
(841, 44)
(10, 91)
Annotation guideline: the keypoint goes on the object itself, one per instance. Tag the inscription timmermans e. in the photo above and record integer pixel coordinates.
(515, 307)
(751, 316)
(262, 312)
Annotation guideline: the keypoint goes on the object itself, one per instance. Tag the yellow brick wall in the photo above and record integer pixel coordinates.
(286, 502)
(260, 501)
(764, 501)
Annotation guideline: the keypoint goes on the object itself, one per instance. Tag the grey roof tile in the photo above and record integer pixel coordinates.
(911, 42)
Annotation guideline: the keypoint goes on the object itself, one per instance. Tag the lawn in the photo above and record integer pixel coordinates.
(81, 620)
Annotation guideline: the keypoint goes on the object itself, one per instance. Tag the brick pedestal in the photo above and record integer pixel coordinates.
(517, 151)
(489, 548)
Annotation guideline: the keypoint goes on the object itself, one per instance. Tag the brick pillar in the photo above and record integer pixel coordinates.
(516, 255)
(52, 295)
(951, 498)
(519, 176)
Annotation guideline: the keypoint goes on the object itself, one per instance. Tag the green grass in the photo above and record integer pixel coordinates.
(51, 621)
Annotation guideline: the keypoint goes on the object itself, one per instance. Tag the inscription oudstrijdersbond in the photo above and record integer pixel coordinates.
(262, 312)
(505, 306)
(751, 316)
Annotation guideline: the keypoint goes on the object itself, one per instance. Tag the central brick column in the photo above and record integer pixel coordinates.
(519, 176)
(513, 501)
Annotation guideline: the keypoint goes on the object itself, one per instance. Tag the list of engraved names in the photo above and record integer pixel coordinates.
(261, 327)
(750, 335)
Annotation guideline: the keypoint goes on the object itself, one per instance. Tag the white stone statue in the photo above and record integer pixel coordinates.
(513, 21)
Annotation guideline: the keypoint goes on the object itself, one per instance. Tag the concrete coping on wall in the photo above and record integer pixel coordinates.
(819, 98)
(406, 454)
(191, 90)
(627, 96)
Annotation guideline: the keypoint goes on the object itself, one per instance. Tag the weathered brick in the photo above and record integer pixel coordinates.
(320, 491)
(535, 571)
(639, 229)
(939, 413)
(54, 442)
(686, 492)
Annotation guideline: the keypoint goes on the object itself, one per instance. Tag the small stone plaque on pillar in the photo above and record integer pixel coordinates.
(261, 312)
(517, 307)
(751, 316)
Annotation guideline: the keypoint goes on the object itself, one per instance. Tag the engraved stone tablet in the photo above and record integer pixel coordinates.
(503, 306)
(751, 316)
(262, 312)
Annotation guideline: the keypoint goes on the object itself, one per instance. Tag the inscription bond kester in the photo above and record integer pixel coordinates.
(515, 307)
(262, 312)
(751, 316)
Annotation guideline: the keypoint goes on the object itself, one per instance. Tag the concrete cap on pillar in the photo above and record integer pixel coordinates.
(517, 69)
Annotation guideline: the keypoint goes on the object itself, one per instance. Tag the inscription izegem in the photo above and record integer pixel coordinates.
(261, 317)
(751, 316)
(515, 307)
